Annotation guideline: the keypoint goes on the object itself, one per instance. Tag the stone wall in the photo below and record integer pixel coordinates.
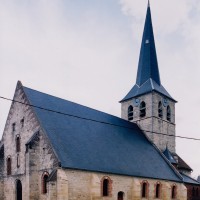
(31, 161)
(84, 185)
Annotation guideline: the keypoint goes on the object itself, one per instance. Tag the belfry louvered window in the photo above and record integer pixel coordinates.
(130, 113)
(160, 110)
(142, 109)
(168, 114)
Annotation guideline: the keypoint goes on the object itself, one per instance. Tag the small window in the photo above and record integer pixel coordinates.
(44, 182)
(9, 166)
(22, 122)
(158, 189)
(130, 113)
(160, 110)
(173, 192)
(142, 109)
(120, 196)
(18, 143)
(168, 114)
(144, 189)
(106, 186)
(197, 192)
(13, 127)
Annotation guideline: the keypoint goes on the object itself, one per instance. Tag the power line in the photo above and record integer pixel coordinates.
(93, 120)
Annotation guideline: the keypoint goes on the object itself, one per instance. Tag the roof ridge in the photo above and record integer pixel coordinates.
(73, 102)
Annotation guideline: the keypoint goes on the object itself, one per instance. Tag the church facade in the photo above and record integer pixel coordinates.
(56, 149)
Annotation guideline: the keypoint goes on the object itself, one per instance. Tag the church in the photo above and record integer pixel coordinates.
(52, 148)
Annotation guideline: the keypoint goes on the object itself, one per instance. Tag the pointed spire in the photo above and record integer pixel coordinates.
(148, 65)
(148, 78)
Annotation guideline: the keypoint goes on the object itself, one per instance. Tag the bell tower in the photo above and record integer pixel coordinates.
(148, 103)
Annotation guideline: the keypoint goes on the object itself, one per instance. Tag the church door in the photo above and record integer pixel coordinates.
(18, 190)
(120, 196)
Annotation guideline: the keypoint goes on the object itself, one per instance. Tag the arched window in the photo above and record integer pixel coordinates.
(160, 110)
(168, 114)
(9, 164)
(173, 192)
(158, 191)
(17, 143)
(106, 186)
(44, 182)
(130, 113)
(144, 189)
(142, 109)
(193, 192)
(120, 196)
(197, 192)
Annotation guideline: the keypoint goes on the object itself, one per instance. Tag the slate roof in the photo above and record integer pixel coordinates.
(182, 165)
(189, 180)
(53, 176)
(148, 77)
(169, 156)
(87, 139)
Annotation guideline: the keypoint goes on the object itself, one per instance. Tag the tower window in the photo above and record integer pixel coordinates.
(130, 113)
(144, 189)
(106, 186)
(168, 114)
(158, 189)
(173, 192)
(160, 110)
(18, 143)
(142, 109)
(44, 182)
(9, 166)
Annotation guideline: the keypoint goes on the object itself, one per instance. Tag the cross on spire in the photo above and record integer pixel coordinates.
(148, 3)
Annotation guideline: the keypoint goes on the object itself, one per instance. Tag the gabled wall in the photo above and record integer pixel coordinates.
(32, 161)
